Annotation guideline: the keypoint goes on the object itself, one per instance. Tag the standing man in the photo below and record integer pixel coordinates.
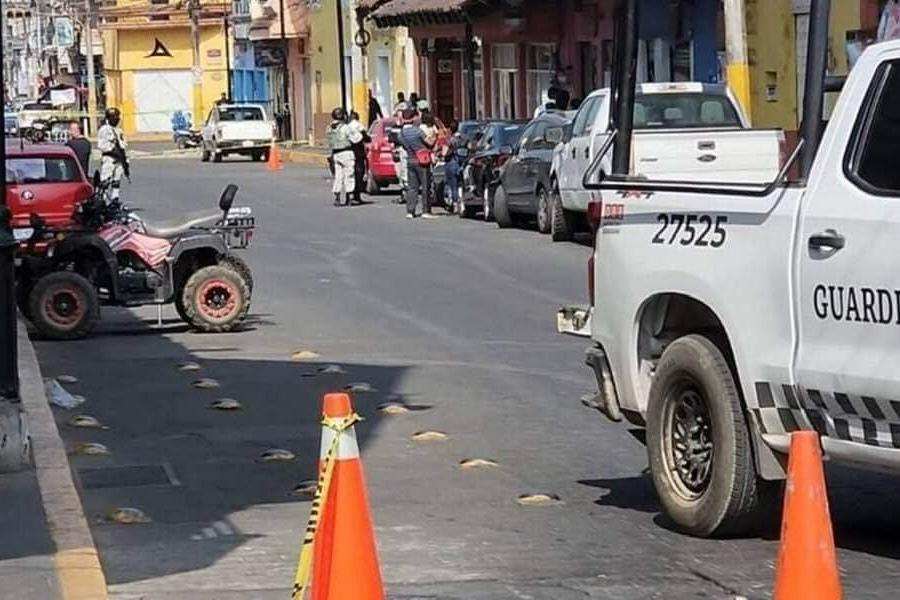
(401, 103)
(359, 156)
(374, 109)
(81, 147)
(418, 166)
(113, 157)
(340, 137)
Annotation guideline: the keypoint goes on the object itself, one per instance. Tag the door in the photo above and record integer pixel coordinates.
(577, 155)
(849, 275)
(515, 179)
(158, 94)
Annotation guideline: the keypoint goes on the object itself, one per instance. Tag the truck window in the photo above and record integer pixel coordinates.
(876, 162)
(234, 113)
(684, 111)
(584, 120)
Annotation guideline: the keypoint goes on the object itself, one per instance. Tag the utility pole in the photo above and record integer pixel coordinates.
(9, 371)
(469, 55)
(91, 74)
(197, 70)
(359, 63)
(227, 57)
(737, 69)
(285, 79)
(341, 46)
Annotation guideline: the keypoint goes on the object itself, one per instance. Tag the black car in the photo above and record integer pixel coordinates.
(480, 173)
(524, 189)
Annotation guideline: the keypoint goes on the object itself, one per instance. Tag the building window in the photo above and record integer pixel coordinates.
(503, 72)
(479, 86)
(540, 74)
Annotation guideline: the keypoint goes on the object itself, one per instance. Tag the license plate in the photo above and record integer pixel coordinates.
(22, 233)
(247, 143)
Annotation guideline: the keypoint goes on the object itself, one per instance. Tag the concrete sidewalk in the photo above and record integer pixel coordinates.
(47, 550)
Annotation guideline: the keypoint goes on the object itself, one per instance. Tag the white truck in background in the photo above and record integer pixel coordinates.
(684, 131)
(725, 316)
(237, 129)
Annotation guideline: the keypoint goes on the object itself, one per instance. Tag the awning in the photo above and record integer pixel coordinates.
(405, 13)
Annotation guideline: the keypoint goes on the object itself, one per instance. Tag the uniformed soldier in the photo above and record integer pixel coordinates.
(340, 137)
(113, 147)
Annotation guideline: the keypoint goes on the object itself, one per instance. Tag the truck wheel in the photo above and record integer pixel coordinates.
(237, 264)
(543, 211)
(501, 209)
(217, 157)
(216, 299)
(257, 156)
(63, 306)
(562, 227)
(698, 443)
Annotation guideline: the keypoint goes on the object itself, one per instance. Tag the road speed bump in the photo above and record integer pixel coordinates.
(225, 404)
(429, 436)
(67, 379)
(90, 449)
(206, 383)
(392, 408)
(277, 455)
(305, 488)
(128, 516)
(538, 500)
(86, 421)
(360, 387)
(304, 355)
(189, 366)
(332, 370)
(477, 463)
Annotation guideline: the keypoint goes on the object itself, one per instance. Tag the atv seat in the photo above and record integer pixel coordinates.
(175, 228)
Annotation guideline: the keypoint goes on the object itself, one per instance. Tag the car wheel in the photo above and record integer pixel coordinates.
(487, 203)
(698, 442)
(217, 157)
(562, 227)
(501, 209)
(543, 211)
(215, 299)
(63, 306)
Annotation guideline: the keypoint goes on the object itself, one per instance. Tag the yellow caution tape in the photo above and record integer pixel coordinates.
(304, 564)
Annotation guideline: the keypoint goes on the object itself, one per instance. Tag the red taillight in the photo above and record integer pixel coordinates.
(594, 217)
(595, 214)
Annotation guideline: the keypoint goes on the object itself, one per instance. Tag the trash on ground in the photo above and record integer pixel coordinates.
(128, 516)
(276, 455)
(538, 500)
(429, 436)
(206, 383)
(58, 396)
(226, 404)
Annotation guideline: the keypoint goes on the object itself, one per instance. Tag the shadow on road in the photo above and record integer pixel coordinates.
(210, 496)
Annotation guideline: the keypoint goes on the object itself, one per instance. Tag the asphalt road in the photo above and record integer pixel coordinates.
(454, 318)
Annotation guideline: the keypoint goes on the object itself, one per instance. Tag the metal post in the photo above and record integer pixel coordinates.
(227, 57)
(285, 82)
(91, 73)
(814, 90)
(341, 47)
(737, 67)
(9, 374)
(197, 69)
(469, 56)
(626, 59)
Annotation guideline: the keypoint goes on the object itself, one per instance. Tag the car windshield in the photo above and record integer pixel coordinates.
(469, 129)
(684, 111)
(241, 113)
(508, 135)
(30, 169)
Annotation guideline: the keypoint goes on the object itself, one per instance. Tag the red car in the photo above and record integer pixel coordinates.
(44, 179)
(382, 170)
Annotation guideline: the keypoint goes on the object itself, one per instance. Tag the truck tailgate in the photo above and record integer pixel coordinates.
(727, 155)
(246, 130)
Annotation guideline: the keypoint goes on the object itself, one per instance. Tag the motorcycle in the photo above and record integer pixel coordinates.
(110, 256)
(187, 138)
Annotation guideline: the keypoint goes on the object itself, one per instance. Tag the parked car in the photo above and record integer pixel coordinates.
(44, 179)
(480, 174)
(524, 188)
(237, 129)
(381, 169)
(684, 131)
(10, 124)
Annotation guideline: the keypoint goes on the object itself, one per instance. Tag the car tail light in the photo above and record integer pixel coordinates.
(594, 217)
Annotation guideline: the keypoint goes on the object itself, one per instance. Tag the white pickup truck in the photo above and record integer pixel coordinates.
(237, 129)
(684, 131)
(726, 316)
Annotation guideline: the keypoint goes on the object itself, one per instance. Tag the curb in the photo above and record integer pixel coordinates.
(305, 157)
(76, 560)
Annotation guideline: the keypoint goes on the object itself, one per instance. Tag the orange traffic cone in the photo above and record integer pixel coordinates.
(807, 563)
(345, 561)
(274, 162)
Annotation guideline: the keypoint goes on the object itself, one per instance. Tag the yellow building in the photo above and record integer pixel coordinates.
(776, 49)
(390, 63)
(149, 63)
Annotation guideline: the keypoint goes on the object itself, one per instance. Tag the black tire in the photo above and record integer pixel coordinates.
(63, 306)
(501, 209)
(239, 266)
(487, 203)
(562, 226)
(544, 217)
(372, 187)
(257, 156)
(695, 393)
(217, 157)
(204, 155)
(215, 299)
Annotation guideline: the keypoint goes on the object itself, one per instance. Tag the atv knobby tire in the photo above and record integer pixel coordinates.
(63, 306)
(239, 266)
(215, 299)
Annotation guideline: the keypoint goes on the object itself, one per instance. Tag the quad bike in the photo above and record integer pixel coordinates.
(112, 257)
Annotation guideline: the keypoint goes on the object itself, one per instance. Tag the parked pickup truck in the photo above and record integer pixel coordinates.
(724, 316)
(237, 129)
(685, 131)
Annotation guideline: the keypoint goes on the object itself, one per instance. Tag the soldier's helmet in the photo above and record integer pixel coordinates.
(112, 116)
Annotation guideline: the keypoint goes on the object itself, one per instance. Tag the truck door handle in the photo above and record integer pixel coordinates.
(587, 152)
(826, 239)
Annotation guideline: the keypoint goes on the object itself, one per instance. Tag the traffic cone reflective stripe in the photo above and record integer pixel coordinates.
(274, 162)
(345, 559)
(807, 562)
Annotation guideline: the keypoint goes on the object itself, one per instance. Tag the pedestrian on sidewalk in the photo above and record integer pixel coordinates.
(418, 166)
(340, 138)
(401, 105)
(114, 153)
(80, 146)
(452, 162)
(359, 156)
(374, 109)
